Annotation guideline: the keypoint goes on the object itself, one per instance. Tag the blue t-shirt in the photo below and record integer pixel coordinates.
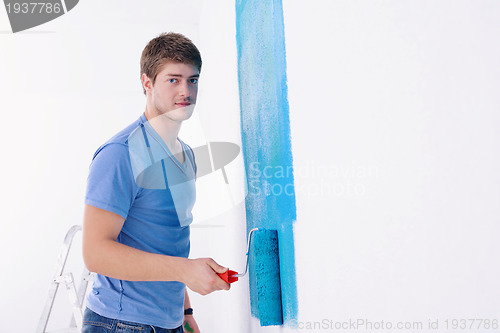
(136, 176)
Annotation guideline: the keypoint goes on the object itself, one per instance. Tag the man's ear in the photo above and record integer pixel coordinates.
(147, 83)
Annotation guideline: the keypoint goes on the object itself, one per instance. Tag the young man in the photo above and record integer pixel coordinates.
(140, 193)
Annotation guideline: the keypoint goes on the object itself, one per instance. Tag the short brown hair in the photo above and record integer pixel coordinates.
(168, 47)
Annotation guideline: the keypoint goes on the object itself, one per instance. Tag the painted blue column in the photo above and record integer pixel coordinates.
(265, 130)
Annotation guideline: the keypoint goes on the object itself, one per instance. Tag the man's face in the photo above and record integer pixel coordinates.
(175, 88)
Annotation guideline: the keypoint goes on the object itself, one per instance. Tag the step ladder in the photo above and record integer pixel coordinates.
(76, 297)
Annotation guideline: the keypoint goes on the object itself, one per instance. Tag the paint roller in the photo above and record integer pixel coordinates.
(263, 243)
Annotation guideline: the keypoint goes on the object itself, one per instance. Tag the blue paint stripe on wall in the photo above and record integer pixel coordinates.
(265, 128)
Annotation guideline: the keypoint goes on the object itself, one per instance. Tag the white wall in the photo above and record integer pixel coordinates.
(396, 101)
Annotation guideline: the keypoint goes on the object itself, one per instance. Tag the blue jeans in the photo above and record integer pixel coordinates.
(94, 323)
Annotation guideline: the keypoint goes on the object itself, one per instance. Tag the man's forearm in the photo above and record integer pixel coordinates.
(123, 262)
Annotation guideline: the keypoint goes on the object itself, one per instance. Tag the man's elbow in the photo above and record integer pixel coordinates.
(92, 257)
(89, 259)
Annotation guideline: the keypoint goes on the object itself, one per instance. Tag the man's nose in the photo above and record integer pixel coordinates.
(184, 90)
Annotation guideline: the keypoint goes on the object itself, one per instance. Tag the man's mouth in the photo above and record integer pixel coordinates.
(183, 104)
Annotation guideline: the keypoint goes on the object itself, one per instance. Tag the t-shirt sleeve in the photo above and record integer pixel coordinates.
(110, 184)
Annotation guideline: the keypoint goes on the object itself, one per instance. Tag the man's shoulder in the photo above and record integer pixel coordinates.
(119, 141)
(122, 136)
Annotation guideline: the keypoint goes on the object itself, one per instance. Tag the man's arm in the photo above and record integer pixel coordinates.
(104, 255)
(192, 326)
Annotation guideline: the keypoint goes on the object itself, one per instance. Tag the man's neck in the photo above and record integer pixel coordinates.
(166, 128)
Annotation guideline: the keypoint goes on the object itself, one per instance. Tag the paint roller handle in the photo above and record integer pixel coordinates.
(229, 276)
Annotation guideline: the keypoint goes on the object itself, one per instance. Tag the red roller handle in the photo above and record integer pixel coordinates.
(228, 276)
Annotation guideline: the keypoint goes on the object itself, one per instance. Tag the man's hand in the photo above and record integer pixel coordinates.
(200, 276)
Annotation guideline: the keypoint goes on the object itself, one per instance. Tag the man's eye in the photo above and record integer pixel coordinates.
(172, 80)
(194, 81)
